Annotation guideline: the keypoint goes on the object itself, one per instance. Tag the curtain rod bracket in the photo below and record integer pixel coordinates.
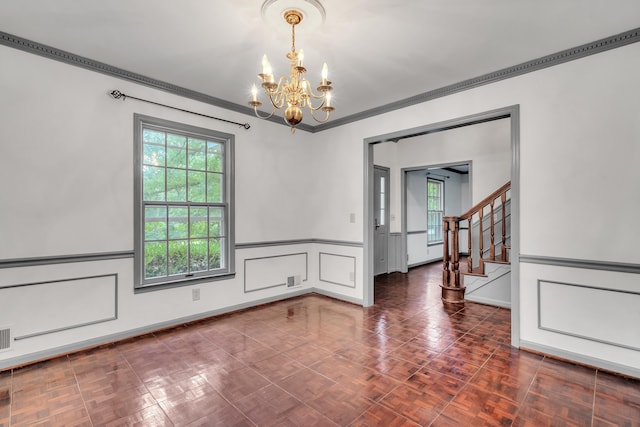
(116, 94)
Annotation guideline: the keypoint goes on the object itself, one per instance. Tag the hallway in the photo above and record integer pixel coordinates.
(315, 361)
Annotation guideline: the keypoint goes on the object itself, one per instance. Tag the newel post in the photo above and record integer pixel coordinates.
(452, 289)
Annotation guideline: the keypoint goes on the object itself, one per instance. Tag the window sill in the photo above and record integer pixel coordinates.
(140, 289)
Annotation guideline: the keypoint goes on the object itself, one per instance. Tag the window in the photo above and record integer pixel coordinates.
(435, 210)
(382, 201)
(184, 203)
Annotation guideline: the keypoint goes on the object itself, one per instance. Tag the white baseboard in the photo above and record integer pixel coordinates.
(488, 301)
(357, 301)
(605, 365)
(71, 348)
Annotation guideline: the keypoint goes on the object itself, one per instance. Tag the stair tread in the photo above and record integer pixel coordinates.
(479, 271)
(476, 271)
(473, 274)
(497, 261)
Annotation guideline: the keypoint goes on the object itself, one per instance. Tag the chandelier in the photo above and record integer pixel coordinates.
(295, 92)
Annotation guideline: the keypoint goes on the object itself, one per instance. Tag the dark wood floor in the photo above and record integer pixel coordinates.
(314, 361)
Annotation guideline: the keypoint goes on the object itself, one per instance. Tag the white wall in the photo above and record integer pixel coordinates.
(452, 192)
(574, 118)
(486, 146)
(67, 152)
(416, 183)
(66, 167)
(418, 250)
(67, 159)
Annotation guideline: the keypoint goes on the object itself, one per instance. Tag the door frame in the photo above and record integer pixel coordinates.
(513, 113)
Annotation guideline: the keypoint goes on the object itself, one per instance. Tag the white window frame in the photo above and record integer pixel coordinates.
(226, 205)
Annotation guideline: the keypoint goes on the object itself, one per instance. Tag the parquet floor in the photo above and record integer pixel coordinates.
(314, 361)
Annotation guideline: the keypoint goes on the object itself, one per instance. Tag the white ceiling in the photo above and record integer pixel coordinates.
(378, 51)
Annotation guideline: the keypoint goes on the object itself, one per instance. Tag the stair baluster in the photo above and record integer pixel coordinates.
(469, 255)
(445, 254)
(492, 245)
(480, 240)
(503, 251)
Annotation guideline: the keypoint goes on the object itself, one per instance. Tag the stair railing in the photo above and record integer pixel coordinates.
(452, 289)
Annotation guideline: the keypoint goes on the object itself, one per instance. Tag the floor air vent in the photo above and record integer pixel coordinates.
(5, 338)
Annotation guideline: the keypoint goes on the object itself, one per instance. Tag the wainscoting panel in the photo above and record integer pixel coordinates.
(588, 312)
(338, 269)
(70, 303)
(417, 248)
(395, 252)
(273, 271)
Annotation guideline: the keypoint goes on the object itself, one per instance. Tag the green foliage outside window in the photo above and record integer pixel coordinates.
(435, 210)
(182, 181)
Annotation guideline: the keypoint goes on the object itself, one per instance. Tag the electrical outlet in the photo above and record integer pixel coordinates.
(195, 294)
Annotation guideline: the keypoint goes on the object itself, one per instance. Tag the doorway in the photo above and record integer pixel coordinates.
(380, 220)
(429, 193)
(512, 114)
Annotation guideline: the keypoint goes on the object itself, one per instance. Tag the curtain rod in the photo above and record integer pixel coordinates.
(116, 94)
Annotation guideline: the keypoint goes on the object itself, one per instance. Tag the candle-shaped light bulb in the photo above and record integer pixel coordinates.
(300, 57)
(328, 99)
(304, 85)
(254, 92)
(325, 72)
(266, 67)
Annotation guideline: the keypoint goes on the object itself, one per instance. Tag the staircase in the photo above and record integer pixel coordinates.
(484, 275)
(493, 287)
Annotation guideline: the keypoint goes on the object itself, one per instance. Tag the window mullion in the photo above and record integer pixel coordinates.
(166, 188)
(206, 198)
(189, 240)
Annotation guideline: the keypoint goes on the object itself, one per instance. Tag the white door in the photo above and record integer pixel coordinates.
(380, 220)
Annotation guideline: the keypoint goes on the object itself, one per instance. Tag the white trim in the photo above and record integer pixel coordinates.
(580, 358)
(82, 345)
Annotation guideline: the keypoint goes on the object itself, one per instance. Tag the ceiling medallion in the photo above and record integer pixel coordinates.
(313, 12)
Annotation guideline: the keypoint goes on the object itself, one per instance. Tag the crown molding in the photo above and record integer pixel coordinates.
(50, 52)
(598, 46)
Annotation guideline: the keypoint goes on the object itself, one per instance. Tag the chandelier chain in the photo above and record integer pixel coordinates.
(293, 37)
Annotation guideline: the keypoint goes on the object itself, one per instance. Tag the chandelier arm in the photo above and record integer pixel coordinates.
(311, 92)
(255, 110)
(277, 96)
(322, 104)
(326, 118)
(278, 101)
